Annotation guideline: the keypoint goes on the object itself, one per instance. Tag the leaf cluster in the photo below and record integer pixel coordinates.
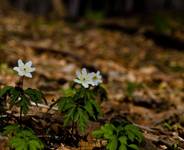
(22, 139)
(21, 97)
(121, 137)
(79, 106)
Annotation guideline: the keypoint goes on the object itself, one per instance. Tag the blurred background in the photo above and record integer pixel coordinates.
(132, 42)
(138, 45)
(109, 8)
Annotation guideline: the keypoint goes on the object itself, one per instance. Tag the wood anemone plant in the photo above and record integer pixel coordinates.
(21, 137)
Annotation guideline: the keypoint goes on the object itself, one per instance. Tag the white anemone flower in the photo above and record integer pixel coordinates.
(24, 69)
(84, 78)
(96, 78)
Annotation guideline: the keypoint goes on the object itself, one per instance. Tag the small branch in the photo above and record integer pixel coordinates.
(145, 128)
(44, 106)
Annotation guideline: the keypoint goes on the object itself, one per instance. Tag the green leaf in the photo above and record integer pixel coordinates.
(133, 133)
(133, 146)
(70, 92)
(18, 144)
(80, 93)
(90, 95)
(96, 108)
(35, 145)
(35, 95)
(123, 143)
(83, 119)
(89, 108)
(65, 103)
(11, 129)
(107, 131)
(120, 137)
(69, 116)
(25, 139)
(113, 143)
(24, 104)
(123, 147)
(5, 90)
(123, 140)
(15, 93)
(98, 133)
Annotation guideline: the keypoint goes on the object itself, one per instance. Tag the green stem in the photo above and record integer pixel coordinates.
(20, 118)
(20, 84)
(73, 124)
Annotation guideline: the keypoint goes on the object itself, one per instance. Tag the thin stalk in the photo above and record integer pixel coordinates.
(73, 124)
(20, 84)
(20, 118)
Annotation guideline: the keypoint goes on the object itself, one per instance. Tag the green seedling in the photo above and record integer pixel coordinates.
(22, 138)
(121, 136)
(79, 103)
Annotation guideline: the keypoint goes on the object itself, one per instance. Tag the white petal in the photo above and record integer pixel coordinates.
(77, 81)
(78, 73)
(20, 63)
(28, 64)
(32, 69)
(95, 83)
(29, 75)
(86, 85)
(98, 73)
(16, 69)
(84, 71)
(21, 73)
(92, 74)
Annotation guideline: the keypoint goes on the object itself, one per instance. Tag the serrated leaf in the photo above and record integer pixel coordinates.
(69, 116)
(123, 147)
(80, 93)
(133, 133)
(123, 143)
(11, 129)
(113, 143)
(5, 90)
(76, 116)
(83, 119)
(109, 126)
(123, 140)
(24, 104)
(90, 95)
(35, 145)
(15, 93)
(25, 139)
(89, 108)
(65, 103)
(70, 92)
(96, 108)
(98, 133)
(18, 144)
(35, 95)
(107, 131)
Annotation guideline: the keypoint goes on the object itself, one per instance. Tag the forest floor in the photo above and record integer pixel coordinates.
(144, 79)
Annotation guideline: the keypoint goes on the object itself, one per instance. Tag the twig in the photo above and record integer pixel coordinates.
(145, 128)
(44, 106)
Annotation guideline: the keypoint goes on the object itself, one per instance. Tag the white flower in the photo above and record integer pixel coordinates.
(96, 78)
(24, 69)
(84, 78)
